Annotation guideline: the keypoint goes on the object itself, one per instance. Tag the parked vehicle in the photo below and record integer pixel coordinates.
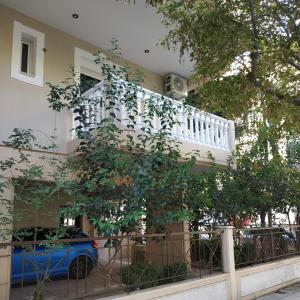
(282, 233)
(73, 259)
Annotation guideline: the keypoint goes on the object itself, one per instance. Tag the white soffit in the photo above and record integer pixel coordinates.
(137, 28)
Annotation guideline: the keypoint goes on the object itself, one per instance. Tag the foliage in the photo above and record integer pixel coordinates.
(124, 174)
(141, 275)
(245, 54)
(120, 177)
(175, 272)
(206, 251)
(246, 67)
(244, 254)
(260, 178)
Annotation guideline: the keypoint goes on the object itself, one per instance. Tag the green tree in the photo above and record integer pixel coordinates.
(118, 176)
(122, 178)
(246, 53)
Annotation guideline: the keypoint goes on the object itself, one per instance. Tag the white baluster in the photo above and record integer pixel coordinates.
(221, 133)
(212, 131)
(122, 113)
(175, 120)
(207, 129)
(185, 125)
(197, 118)
(154, 122)
(87, 113)
(202, 134)
(139, 98)
(217, 127)
(226, 126)
(158, 121)
(192, 135)
(146, 111)
(179, 122)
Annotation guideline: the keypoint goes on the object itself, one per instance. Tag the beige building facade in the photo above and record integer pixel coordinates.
(23, 104)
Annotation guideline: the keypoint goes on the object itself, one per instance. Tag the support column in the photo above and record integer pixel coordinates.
(228, 259)
(6, 200)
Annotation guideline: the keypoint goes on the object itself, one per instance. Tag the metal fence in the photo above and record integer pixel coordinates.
(259, 245)
(78, 268)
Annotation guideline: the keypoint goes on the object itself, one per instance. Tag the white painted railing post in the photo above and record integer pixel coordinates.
(207, 129)
(212, 131)
(180, 122)
(192, 136)
(202, 120)
(185, 125)
(231, 136)
(228, 259)
(139, 98)
(146, 111)
(217, 138)
(191, 124)
(175, 119)
(197, 119)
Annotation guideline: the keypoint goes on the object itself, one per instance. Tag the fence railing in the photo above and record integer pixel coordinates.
(74, 268)
(77, 268)
(191, 124)
(258, 245)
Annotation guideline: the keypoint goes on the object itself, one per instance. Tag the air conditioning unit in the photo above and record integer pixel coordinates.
(176, 86)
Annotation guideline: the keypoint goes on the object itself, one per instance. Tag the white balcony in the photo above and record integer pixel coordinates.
(195, 129)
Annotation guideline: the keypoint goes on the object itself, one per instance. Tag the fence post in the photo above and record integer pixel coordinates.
(228, 258)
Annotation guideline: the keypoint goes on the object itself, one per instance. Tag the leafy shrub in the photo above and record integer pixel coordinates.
(206, 252)
(140, 275)
(244, 254)
(175, 272)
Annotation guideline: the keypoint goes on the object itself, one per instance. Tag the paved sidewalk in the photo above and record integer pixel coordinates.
(289, 293)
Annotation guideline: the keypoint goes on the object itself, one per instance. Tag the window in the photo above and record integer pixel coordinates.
(67, 220)
(27, 57)
(27, 54)
(86, 69)
(87, 82)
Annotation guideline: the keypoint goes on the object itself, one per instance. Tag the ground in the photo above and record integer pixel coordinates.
(289, 293)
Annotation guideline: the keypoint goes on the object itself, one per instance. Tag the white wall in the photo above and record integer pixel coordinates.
(23, 105)
(251, 282)
(259, 280)
(214, 287)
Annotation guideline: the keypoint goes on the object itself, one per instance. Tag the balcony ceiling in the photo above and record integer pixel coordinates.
(137, 28)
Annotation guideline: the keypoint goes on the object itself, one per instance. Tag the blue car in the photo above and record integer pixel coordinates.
(72, 260)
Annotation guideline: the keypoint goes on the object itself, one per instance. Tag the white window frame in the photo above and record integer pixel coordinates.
(86, 60)
(20, 33)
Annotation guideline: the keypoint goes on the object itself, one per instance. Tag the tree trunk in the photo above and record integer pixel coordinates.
(270, 215)
(263, 218)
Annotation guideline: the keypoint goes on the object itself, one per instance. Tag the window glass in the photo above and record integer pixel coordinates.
(24, 57)
(87, 82)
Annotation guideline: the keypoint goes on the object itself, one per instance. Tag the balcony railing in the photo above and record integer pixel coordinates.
(191, 124)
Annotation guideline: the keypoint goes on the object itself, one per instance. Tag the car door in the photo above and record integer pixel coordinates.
(29, 264)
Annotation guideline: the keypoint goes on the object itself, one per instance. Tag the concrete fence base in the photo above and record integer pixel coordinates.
(246, 283)
(251, 282)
